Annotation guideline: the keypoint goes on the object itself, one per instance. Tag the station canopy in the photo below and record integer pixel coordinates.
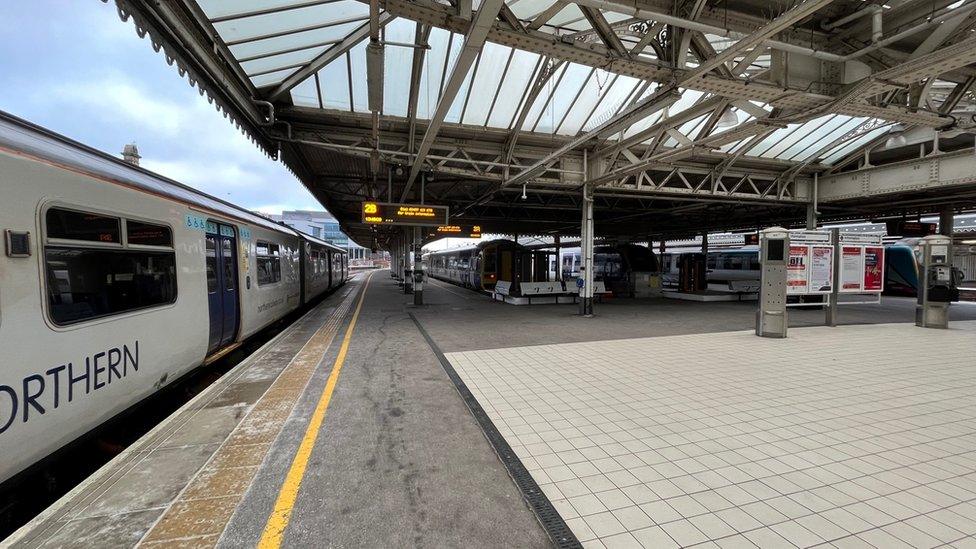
(681, 116)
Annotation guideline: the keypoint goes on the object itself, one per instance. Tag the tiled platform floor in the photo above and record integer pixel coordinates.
(849, 437)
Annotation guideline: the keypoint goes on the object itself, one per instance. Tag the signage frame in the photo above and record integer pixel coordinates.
(392, 214)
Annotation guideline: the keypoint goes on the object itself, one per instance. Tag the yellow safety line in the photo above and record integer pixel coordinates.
(274, 530)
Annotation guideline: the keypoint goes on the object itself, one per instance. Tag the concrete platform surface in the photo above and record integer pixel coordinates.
(854, 436)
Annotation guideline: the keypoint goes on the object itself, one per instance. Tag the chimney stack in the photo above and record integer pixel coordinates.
(130, 154)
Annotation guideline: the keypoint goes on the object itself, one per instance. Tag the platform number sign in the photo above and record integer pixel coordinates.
(381, 213)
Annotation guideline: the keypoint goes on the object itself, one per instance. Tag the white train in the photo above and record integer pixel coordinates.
(115, 282)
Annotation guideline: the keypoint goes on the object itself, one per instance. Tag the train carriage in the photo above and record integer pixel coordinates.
(115, 282)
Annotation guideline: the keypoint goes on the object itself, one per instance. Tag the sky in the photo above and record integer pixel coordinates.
(74, 67)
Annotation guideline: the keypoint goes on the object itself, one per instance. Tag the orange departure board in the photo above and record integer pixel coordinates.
(383, 213)
(458, 231)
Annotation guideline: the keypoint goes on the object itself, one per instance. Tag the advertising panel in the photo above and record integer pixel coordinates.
(873, 268)
(851, 269)
(821, 269)
(797, 270)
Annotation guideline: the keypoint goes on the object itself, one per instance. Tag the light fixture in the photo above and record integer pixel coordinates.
(895, 140)
(523, 192)
(896, 137)
(728, 119)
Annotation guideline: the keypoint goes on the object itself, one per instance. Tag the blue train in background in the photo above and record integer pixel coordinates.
(901, 269)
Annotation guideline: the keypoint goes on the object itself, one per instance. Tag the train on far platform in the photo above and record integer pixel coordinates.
(115, 282)
(482, 266)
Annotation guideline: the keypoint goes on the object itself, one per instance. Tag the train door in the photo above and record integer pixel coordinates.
(506, 269)
(222, 284)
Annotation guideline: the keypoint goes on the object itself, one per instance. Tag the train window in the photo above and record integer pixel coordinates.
(734, 262)
(85, 282)
(491, 264)
(91, 283)
(230, 280)
(147, 234)
(314, 260)
(754, 262)
(712, 261)
(211, 264)
(72, 225)
(269, 263)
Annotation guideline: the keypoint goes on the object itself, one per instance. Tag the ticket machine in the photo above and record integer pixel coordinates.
(936, 288)
(771, 319)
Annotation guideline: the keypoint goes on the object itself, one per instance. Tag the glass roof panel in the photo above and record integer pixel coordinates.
(569, 87)
(225, 8)
(729, 147)
(281, 61)
(486, 83)
(569, 14)
(305, 94)
(357, 59)
(269, 79)
(825, 140)
(528, 9)
(514, 87)
(542, 102)
(334, 83)
(454, 114)
(291, 20)
(292, 42)
(839, 152)
(430, 77)
(397, 66)
(591, 94)
(611, 103)
(813, 131)
(789, 137)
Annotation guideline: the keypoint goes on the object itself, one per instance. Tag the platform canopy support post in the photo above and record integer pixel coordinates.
(811, 217)
(407, 265)
(418, 267)
(558, 271)
(586, 245)
(946, 220)
(830, 311)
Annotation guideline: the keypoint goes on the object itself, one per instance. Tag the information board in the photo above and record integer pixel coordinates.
(458, 231)
(821, 269)
(810, 269)
(381, 213)
(851, 269)
(798, 270)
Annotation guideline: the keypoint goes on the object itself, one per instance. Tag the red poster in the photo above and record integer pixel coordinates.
(873, 269)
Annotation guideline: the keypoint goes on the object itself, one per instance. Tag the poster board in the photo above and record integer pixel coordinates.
(810, 269)
(862, 264)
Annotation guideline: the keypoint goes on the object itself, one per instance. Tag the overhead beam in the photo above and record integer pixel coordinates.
(328, 56)
(686, 115)
(653, 103)
(421, 35)
(955, 170)
(474, 41)
(597, 55)
(603, 30)
(780, 23)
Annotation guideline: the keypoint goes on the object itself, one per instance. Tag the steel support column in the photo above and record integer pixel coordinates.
(586, 240)
(946, 221)
(418, 267)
